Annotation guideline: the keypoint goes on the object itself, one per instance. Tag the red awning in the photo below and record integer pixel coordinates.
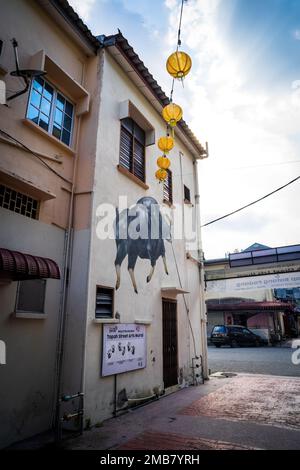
(20, 266)
(242, 306)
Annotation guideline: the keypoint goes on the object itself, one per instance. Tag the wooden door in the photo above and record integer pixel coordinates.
(170, 362)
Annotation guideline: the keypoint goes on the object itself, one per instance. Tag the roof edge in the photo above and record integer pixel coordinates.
(61, 9)
(122, 44)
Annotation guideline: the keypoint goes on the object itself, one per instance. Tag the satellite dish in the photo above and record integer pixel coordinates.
(26, 74)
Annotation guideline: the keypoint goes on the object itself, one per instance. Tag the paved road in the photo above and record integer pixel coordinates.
(245, 411)
(265, 360)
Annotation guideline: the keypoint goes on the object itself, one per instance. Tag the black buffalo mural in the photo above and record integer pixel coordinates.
(140, 232)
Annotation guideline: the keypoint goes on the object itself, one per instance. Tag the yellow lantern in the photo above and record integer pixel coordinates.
(179, 64)
(172, 113)
(161, 174)
(163, 162)
(165, 144)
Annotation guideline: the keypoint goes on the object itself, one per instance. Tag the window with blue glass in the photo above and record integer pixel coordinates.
(50, 110)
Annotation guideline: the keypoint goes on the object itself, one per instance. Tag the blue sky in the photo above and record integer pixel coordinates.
(242, 96)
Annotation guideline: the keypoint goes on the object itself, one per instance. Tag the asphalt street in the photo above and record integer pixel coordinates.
(263, 360)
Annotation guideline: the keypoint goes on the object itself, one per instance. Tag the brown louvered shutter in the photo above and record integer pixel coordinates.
(132, 148)
(168, 188)
(126, 149)
(104, 302)
(139, 160)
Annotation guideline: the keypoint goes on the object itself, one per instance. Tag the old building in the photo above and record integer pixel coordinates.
(78, 147)
(45, 133)
(250, 288)
(169, 309)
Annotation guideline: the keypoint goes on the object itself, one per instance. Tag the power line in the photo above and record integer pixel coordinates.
(34, 154)
(251, 203)
(258, 166)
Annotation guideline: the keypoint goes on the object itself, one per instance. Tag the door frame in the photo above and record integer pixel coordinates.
(175, 302)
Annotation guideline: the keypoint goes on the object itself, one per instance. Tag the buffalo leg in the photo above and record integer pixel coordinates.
(131, 264)
(151, 272)
(121, 253)
(165, 264)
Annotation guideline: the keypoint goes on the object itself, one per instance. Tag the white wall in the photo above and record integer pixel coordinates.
(147, 304)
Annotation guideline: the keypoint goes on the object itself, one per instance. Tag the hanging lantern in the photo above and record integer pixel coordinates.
(172, 113)
(179, 64)
(165, 144)
(163, 162)
(161, 174)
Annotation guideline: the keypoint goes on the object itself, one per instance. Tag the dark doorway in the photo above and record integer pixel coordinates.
(170, 364)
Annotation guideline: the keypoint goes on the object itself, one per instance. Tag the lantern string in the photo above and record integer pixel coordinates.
(172, 90)
(169, 129)
(179, 27)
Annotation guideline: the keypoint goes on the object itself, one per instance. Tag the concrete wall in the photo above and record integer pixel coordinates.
(27, 381)
(28, 378)
(147, 304)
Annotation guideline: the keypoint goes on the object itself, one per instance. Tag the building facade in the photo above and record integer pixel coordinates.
(250, 289)
(45, 132)
(169, 308)
(77, 144)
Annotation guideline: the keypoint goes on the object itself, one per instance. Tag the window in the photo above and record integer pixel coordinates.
(132, 148)
(31, 296)
(104, 302)
(50, 110)
(219, 329)
(18, 202)
(187, 194)
(168, 188)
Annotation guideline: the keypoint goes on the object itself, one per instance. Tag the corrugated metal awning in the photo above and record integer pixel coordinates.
(20, 266)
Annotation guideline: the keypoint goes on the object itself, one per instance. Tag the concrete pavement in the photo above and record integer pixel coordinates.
(264, 360)
(246, 411)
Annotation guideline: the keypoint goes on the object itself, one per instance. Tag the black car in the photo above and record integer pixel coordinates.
(234, 335)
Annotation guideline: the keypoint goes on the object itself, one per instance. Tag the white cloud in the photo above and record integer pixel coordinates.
(83, 8)
(296, 34)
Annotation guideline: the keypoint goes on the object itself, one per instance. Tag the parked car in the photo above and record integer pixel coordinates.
(235, 335)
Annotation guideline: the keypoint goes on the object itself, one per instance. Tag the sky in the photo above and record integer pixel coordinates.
(242, 96)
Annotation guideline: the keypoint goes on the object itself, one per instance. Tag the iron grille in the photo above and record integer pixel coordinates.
(18, 202)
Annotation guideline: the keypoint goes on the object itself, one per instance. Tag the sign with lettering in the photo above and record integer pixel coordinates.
(124, 348)
(273, 281)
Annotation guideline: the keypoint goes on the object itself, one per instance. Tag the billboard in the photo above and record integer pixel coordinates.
(124, 348)
(271, 281)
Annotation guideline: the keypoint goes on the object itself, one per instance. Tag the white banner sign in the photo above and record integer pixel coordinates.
(124, 348)
(271, 281)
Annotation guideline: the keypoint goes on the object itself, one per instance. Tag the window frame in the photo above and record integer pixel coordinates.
(25, 195)
(185, 189)
(32, 312)
(56, 91)
(133, 139)
(105, 317)
(170, 188)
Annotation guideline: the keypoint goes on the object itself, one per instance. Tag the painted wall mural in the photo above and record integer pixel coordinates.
(140, 232)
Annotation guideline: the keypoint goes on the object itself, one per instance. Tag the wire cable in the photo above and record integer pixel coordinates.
(251, 203)
(184, 299)
(178, 44)
(34, 154)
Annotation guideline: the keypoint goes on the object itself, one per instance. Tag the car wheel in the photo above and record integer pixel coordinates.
(234, 344)
(257, 343)
(217, 345)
